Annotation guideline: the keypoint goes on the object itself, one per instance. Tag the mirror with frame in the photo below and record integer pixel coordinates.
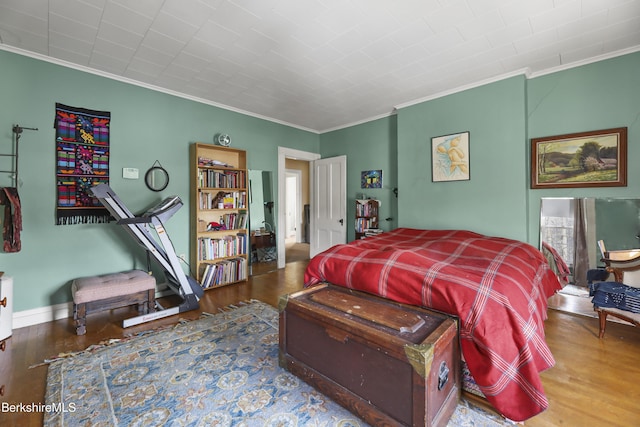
(572, 227)
(262, 222)
(157, 177)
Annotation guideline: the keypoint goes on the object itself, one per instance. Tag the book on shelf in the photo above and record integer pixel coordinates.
(211, 178)
(234, 221)
(363, 224)
(231, 200)
(211, 248)
(367, 207)
(205, 162)
(223, 272)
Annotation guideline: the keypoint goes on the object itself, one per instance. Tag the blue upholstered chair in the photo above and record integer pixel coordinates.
(619, 294)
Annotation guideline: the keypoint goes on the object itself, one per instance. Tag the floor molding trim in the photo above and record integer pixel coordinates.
(35, 316)
(39, 315)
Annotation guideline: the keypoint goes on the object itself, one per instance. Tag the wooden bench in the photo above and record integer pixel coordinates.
(106, 292)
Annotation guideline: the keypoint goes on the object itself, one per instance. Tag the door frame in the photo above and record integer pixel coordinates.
(283, 154)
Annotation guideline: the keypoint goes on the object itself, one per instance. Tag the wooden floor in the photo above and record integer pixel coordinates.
(294, 252)
(596, 382)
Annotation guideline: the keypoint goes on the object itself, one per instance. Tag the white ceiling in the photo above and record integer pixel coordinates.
(318, 64)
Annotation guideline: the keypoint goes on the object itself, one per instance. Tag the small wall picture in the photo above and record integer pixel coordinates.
(371, 179)
(450, 157)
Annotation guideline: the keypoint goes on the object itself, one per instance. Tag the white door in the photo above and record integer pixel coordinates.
(329, 204)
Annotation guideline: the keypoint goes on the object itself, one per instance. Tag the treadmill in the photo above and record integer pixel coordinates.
(138, 227)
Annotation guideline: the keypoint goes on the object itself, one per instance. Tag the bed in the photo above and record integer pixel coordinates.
(497, 287)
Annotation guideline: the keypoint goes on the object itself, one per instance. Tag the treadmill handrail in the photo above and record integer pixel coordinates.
(134, 220)
(142, 235)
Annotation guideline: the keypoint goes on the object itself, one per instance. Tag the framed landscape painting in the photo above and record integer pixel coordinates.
(586, 159)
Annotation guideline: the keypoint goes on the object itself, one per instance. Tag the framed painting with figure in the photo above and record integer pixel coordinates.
(450, 157)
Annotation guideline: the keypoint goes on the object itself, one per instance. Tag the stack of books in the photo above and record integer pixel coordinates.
(369, 232)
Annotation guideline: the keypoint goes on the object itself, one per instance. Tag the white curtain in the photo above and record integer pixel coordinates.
(581, 250)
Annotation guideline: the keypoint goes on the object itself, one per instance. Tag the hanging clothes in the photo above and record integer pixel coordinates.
(12, 219)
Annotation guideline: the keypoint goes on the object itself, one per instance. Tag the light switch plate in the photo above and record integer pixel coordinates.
(130, 173)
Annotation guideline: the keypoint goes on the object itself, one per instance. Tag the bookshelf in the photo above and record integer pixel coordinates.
(219, 215)
(366, 217)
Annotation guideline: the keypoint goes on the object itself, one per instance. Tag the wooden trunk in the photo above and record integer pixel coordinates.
(389, 363)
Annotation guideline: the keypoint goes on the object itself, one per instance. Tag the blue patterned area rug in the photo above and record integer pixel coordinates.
(221, 370)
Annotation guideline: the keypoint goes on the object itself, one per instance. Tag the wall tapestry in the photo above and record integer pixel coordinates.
(82, 161)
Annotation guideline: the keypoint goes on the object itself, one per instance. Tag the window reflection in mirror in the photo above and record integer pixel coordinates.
(573, 227)
(262, 222)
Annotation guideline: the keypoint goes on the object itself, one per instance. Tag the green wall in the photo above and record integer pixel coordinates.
(610, 215)
(601, 95)
(501, 117)
(145, 126)
(493, 201)
(368, 146)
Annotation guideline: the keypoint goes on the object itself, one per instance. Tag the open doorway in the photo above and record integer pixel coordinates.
(293, 190)
(292, 159)
(297, 204)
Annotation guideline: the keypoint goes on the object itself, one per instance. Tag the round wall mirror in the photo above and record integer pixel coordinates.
(157, 177)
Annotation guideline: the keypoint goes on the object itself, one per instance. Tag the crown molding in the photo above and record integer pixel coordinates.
(527, 73)
(359, 122)
(592, 60)
(459, 89)
(127, 80)
(524, 71)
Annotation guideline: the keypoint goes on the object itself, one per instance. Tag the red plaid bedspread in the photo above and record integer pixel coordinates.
(497, 287)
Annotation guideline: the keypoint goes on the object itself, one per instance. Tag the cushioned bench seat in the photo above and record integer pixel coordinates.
(109, 291)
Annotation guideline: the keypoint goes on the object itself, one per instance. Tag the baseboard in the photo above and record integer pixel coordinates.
(35, 316)
(39, 315)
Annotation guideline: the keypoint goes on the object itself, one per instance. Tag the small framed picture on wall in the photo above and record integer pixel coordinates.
(450, 157)
(371, 179)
